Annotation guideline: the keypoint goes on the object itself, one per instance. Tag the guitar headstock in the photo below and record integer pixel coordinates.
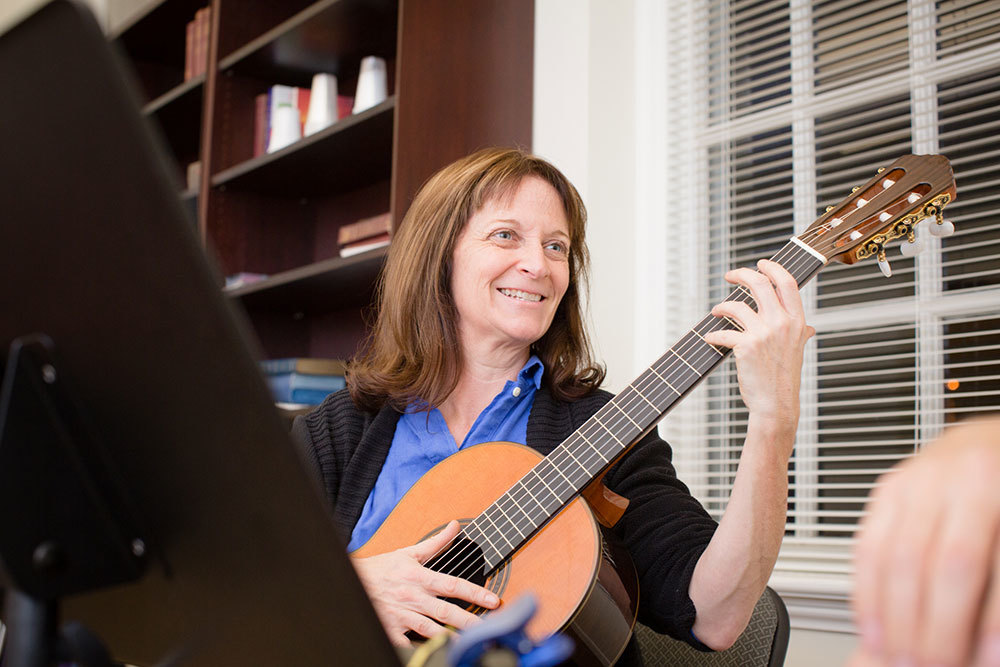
(887, 207)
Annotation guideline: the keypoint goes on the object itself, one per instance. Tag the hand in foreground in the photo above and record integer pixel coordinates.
(405, 594)
(927, 583)
(768, 349)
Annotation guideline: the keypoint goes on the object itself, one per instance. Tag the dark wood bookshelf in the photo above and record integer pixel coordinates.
(333, 283)
(459, 77)
(180, 94)
(329, 36)
(315, 164)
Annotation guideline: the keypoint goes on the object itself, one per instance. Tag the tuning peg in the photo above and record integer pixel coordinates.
(912, 247)
(883, 264)
(942, 228)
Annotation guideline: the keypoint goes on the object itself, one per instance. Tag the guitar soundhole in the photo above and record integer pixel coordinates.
(464, 558)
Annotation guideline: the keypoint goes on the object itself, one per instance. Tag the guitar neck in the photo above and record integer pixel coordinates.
(579, 459)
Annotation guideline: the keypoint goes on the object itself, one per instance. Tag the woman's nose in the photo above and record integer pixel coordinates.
(533, 261)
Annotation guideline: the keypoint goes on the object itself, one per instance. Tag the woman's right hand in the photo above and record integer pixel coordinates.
(407, 596)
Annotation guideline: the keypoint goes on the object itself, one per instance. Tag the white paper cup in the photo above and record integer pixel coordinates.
(322, 103)
(372, 85)
(285, 128)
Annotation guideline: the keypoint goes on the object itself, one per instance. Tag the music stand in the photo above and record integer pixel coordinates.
(148, 487)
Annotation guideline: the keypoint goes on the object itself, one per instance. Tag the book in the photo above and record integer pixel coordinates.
(189, 50)
(202, 27)
(305, 365)
(244, 278)
(364, 245)
(364, 229)
(303, 387)
(260, 125)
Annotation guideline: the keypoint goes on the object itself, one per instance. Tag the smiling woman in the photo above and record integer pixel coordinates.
(479, 343)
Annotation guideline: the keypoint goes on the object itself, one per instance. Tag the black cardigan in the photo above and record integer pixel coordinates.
(664, 528)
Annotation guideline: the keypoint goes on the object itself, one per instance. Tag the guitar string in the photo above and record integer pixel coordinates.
(741, 295)
(603, 457)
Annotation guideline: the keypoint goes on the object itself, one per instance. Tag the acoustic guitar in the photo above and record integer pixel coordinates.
(539, 524)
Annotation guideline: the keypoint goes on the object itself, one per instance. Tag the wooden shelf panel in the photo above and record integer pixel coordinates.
(353, 152)
(182, 94)
(154, 41)
(329, 36)
(330, 284)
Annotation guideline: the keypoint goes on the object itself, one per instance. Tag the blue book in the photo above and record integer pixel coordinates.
(304, 387)
(304, 365)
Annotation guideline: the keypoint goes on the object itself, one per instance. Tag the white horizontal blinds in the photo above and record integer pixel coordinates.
(850, 147)
(971, 383)
(969, 124)
(963, 25)
(749, 59)
(856, 40)
(867, 413)
(750, 217)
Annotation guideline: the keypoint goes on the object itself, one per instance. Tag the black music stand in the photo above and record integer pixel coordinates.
(148, 488)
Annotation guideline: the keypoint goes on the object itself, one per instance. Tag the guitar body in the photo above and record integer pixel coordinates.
(585, 584)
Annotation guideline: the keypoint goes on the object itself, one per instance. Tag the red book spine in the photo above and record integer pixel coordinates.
(189, 51)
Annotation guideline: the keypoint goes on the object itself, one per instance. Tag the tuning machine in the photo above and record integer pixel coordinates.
(940, 228)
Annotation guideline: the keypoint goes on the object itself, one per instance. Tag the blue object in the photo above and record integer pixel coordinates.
(505, 629)
(304, 387)
(422, 440)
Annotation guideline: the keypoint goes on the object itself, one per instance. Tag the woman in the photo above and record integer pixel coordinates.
(480, 338)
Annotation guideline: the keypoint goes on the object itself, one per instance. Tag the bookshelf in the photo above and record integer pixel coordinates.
(460, 78)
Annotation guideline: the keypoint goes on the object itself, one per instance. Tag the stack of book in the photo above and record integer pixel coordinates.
(303, 381)
(196, 43)
(266, 103)
(363, 235)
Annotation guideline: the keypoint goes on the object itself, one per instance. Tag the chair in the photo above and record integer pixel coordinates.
(762, 644)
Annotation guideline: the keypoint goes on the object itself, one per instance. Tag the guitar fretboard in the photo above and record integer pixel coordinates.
(570, 467)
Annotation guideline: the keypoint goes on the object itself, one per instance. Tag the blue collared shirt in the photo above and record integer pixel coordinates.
(422, 440)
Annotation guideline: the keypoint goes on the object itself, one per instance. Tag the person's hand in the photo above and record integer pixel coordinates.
(406, 595)
(768, 349)
(927, 560)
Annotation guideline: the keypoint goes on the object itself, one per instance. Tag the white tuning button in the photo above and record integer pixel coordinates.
(883, 264)
(942, 229)
(912, 248)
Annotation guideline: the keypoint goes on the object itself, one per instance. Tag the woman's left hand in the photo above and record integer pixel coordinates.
(768, 347)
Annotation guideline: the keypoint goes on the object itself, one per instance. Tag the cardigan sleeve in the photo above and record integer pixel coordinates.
(665, 530)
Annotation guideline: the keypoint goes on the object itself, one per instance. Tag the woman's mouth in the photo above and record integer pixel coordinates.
(520, 295)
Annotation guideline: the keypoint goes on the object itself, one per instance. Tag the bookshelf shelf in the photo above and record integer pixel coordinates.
(181, 93)
(451, 91)
(315, 165)
(329, 36)
(331, 283)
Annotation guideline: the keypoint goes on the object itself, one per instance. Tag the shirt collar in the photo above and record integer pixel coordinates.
(532, 371)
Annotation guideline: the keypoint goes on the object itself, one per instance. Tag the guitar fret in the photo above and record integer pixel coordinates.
(610, 432)
(587, 440)
(542, 480)
(484, 537)
(496, 528)
(627, 415)
(664, 381)
(714, 348)
(684, 360)
(733, 322)
(556, 468)
(499, 506)
(643, 397)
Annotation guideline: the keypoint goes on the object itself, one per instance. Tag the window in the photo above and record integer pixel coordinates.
(782, 107)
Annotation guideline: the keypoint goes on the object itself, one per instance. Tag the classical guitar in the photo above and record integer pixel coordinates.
(523, 514)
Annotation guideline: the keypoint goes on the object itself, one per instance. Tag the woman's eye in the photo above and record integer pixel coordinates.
(557, 247)
(503, 234)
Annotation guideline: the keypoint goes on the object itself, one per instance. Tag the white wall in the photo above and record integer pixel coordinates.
(585, 121)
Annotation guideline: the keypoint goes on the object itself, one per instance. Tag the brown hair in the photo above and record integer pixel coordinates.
(413, 351)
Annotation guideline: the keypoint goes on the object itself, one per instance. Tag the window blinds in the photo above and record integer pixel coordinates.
(798, 102)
